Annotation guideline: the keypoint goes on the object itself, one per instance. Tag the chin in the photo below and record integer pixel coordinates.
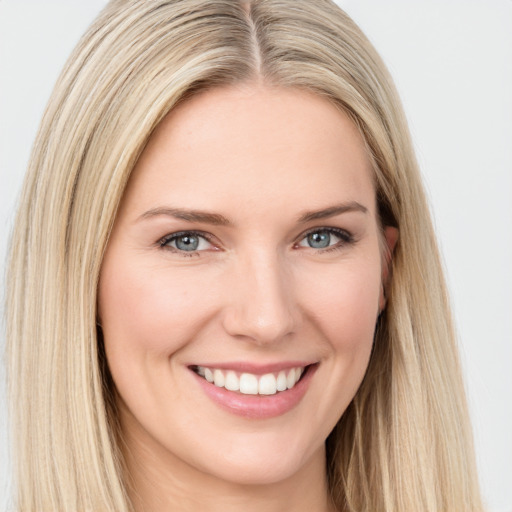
(257, 473)
(265, 464)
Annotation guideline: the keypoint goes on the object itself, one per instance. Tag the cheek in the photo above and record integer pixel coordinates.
(344, 303)
(341, 309)
(149, 312)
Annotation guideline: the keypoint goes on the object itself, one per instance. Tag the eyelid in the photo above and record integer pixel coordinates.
(162, 242)
(331, 229)
(345, 237)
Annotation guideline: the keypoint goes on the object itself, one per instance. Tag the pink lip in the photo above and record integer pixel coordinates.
(257, 406)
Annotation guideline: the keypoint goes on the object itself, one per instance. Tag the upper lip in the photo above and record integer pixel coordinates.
(256, 369)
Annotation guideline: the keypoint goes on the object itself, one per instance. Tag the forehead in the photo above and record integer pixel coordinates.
(257, 145)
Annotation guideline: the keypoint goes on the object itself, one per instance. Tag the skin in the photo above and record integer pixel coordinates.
(255, 292)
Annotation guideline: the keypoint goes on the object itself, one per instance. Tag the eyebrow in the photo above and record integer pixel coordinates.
(332, 211)
(219, 220)
(188, 215)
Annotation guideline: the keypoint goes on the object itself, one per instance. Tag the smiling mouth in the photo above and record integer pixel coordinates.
(251, 384)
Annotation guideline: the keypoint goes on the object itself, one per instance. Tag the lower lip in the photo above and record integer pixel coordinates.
(258, 406)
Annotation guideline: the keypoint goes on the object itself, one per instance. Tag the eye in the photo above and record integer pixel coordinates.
(325, 238)
(186, 241)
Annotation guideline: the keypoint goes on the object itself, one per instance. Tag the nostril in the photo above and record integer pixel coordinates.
(260, 305)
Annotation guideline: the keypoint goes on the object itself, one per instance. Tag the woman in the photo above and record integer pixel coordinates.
(224, 285)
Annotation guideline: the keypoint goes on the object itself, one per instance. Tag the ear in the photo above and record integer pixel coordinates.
(389, 242)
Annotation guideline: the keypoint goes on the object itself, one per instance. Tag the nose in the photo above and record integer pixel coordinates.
(261, 304)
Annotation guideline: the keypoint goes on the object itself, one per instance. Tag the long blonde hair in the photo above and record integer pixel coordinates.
(404, 444)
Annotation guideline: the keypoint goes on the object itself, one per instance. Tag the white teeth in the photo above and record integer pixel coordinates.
(290, 380)
(218, 378)
(232, 382)
(250, 384)
(281, 381)
(267, 385)
(208, 374)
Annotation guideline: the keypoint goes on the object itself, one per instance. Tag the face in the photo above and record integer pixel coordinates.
(247, 251)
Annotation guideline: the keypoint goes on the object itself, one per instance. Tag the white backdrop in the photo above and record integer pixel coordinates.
(452, 62)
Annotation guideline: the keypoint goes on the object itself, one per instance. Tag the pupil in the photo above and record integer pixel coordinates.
(187, 243)
(319, 240)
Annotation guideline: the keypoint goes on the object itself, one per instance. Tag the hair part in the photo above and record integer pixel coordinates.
(404, 443)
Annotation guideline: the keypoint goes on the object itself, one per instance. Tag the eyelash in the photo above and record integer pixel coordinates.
(163, 242)
(345, 237)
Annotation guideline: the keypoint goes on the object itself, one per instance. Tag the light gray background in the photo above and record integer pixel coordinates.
(452, 62)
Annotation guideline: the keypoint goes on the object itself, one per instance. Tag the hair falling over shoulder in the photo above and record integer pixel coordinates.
(405, 443)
